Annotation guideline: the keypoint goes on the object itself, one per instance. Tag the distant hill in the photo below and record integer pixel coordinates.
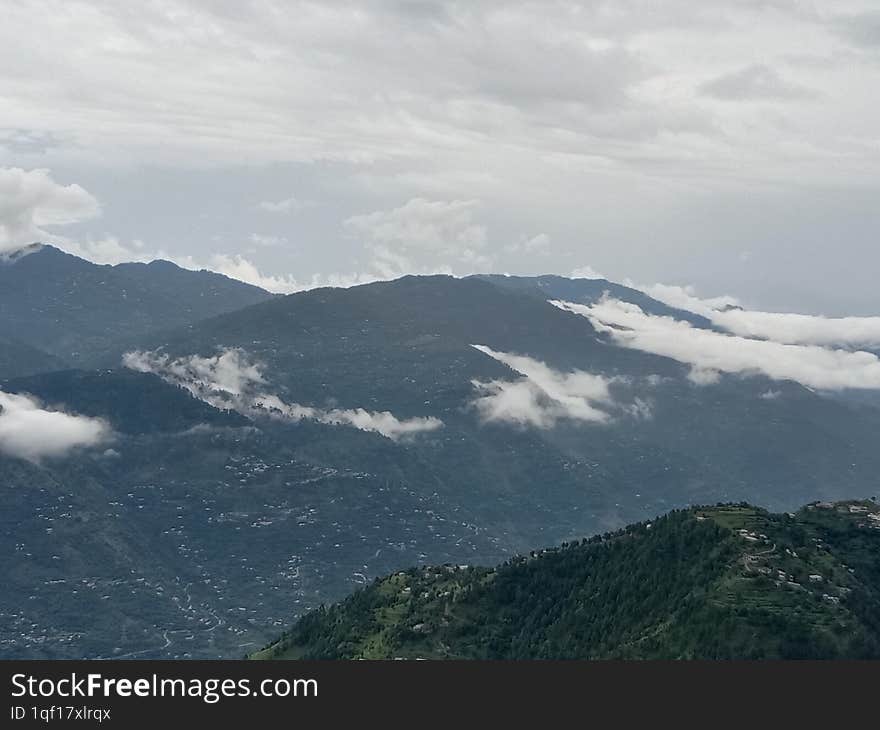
(71, 308)
(726, 582)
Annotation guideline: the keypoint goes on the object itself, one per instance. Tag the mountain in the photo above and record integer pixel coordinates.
(263, 461)
(588, 291)
(407, 347)
(725, 582)
(203, 541)
(17, 358)
(71, 308)
(131, 402)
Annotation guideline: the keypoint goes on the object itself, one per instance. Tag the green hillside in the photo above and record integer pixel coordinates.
(731, 581)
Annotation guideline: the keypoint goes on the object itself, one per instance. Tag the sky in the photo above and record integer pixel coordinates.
(733, 146)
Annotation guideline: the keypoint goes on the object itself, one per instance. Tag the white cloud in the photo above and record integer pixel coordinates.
(287, 205)
(640, 409)
(31, 201)
(266, 241)
(238, 267)
(713, 352)
(108, 250)
(535, 245)
(801, 328)
(703, 376)
(29, 431)
(544, 396)
(229, 373)
(230, 380)
(786, 327)
(684, 297)
(439, 235)
(550, 118)
(586, 272)
(383, 422)
(419, 80)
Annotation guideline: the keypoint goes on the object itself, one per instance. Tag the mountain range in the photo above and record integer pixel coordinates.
(72, 309)
(214, 460)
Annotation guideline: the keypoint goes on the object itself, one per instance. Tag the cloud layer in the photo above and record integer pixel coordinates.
(31, 432)
(786, 327)
(736, 125)
(710, 352)
(543, 396)
(231, 380)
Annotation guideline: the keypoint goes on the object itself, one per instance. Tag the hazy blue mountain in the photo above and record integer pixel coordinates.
(199, 532)
(72, 308)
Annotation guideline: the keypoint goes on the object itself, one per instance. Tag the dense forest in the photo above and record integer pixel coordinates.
(731, 581)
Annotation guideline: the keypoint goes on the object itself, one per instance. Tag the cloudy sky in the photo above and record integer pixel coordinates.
(731, 144)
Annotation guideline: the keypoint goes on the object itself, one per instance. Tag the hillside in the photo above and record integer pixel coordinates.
(406, 346)
(721, 582)
(17, 358)
(198, 531)
(72, 309)
(587, 291)
(132, 403)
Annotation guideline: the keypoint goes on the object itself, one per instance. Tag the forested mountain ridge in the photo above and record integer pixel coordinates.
(724, 582)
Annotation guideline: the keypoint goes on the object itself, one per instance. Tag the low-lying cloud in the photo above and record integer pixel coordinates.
(786, 327)
(710, 352)
(793, 328)
(231, 380)
(543, 396)
(31, 432)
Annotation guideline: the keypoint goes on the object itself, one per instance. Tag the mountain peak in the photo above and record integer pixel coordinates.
(10, 257)
(40, 254)
(73, 309)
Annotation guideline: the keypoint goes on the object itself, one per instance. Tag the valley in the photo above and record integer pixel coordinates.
(220, 472)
